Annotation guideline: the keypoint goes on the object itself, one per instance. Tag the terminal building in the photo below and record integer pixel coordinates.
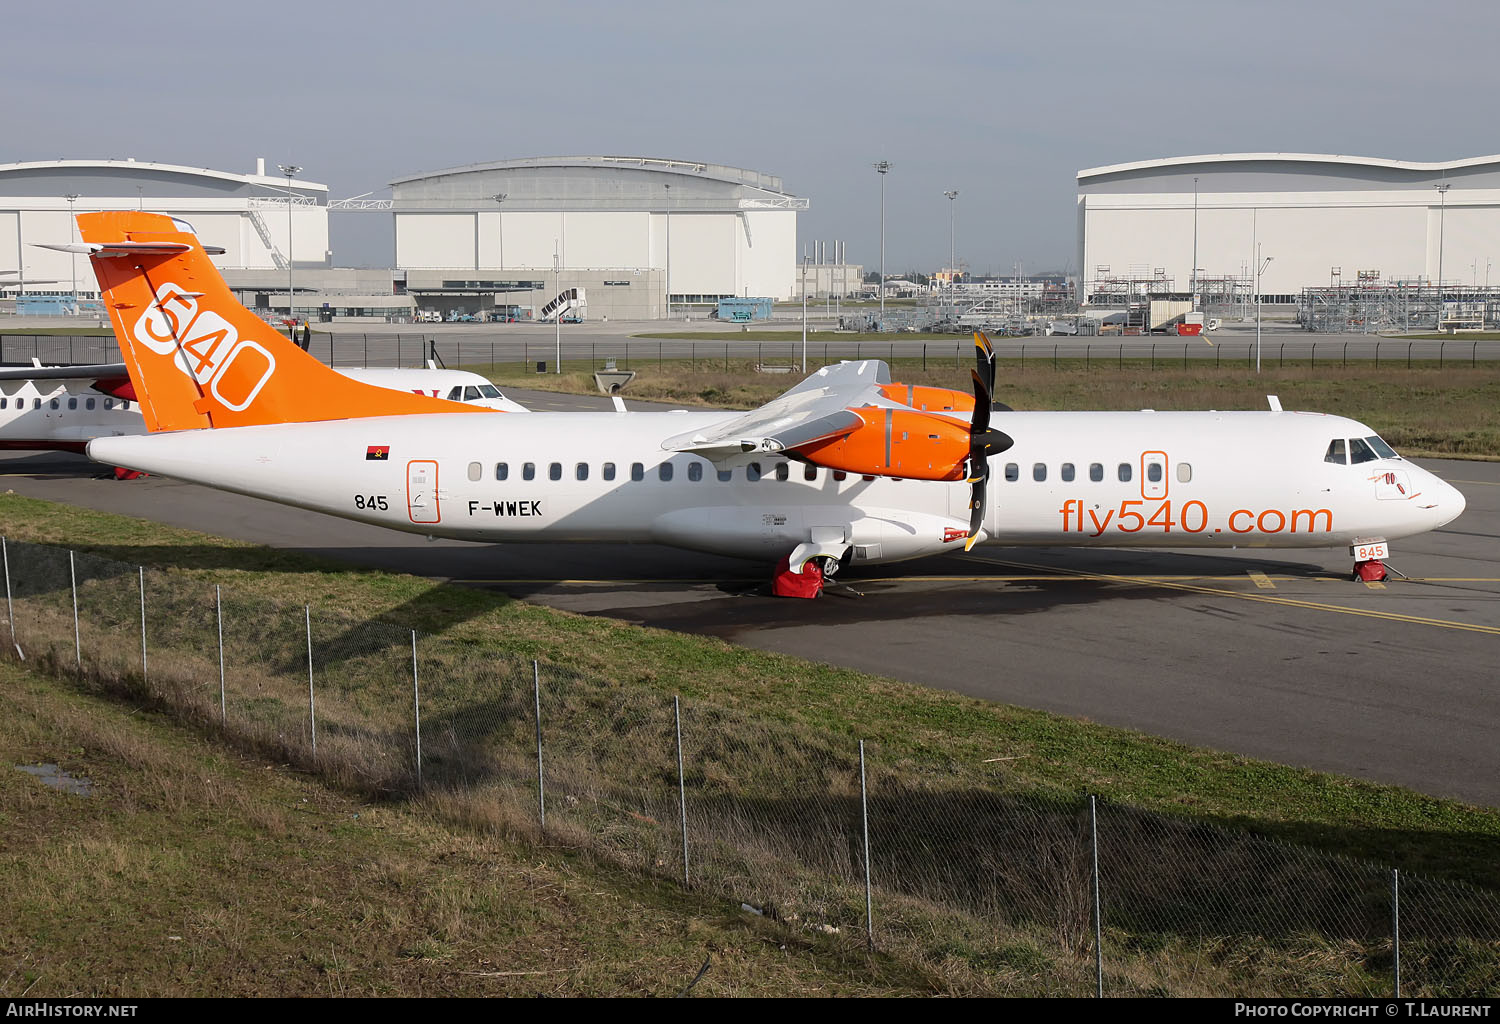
(636, 233)
(1304, 220)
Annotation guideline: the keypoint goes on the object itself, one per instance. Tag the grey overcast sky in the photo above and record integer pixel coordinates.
(1004, 101)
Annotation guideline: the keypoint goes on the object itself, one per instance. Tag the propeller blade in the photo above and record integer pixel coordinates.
(984, 440)
(976, 504)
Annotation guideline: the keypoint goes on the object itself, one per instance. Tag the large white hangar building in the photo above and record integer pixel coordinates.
(249, 215)
(629, 230)
(1317, 218)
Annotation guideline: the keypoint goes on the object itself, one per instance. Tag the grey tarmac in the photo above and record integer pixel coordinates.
(1266, 653)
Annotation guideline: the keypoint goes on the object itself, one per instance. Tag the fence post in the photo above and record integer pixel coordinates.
(541, 792)
(219, 617)
(1098, 916)
(681, 786)
(10, 611)
(416, 704)
(77, 644)
(312, 713)
(142, 570)
(1396, 925)
(864, 813)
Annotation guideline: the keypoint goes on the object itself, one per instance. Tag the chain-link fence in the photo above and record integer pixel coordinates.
(991, 887)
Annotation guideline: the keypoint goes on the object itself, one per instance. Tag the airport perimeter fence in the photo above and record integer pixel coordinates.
(991, 887)
(491, 354)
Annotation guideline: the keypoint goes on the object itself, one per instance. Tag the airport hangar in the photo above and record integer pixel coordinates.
(1317, 217)
(481, 238)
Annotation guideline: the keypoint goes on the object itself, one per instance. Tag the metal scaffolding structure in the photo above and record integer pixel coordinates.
(1370, 307)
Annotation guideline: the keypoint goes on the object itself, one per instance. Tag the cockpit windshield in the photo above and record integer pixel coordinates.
(490, 391)
(1355, 450)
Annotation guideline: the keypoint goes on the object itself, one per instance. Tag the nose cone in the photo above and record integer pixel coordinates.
(1450, 501)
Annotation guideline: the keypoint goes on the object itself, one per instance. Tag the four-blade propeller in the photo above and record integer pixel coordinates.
(984, 440)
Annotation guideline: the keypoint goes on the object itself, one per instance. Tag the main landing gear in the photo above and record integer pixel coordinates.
(816, 573)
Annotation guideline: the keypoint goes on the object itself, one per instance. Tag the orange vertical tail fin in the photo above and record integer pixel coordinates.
(196, 356)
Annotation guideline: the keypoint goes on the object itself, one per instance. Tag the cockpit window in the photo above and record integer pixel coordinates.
(1360, 452)
(490, 391)
(1382, 449)
(471, 394)
(1336, 452)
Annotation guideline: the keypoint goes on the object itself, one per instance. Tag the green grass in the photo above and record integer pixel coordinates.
(912, 725)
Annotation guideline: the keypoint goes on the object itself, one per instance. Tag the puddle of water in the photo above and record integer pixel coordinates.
(52, 775)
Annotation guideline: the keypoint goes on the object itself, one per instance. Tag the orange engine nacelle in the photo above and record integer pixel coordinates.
(895, 442)
(940, 400)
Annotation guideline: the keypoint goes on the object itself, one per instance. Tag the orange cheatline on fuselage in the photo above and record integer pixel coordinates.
(895, 442)
(198, 358)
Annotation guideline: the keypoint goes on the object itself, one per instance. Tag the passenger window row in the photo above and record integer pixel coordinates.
(664, 471)
(1124, 472)
(56, 403)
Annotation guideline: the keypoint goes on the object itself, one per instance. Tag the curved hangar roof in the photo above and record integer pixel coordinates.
(1282, 172)
(121, 177)
(594, 183)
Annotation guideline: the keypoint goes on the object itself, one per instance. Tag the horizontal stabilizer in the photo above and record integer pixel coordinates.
(117, 249)
(94, 371)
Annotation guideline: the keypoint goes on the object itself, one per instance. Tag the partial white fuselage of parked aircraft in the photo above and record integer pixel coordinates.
(847, 466)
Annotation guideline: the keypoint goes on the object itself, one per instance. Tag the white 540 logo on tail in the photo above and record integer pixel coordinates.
(205, 346)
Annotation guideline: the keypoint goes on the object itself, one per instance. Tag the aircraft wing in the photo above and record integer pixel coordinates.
(819, 407)
(94, 371)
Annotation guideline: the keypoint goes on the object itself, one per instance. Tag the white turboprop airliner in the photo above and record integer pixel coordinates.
(63, 408)
(844, 467)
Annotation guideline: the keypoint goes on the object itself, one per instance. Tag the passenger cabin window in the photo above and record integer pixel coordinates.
(72, 403)
(1012, 472)
(1360, 452)
(752, 471)
(581, 471)
(502, 471)
(54, 403)
(1096, 471)
(554, 471)
(109, 403)
(36, 403)
(809, 472)
(1153, 472)
(1184, 472)
(1124, 472)
(1336, 452)
(88, 403)
(695, 471)
(839, 474)
(4, 402)
(476, 471)
(609, 471)
(528, 471)
(664, 471)
(1067, 472)
(637, 472)
(725, 475)
(1039, 471)
(783, 471)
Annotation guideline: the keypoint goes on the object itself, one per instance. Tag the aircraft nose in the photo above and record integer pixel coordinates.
(1450, 501)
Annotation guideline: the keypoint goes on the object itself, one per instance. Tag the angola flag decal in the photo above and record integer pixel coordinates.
(377, 453)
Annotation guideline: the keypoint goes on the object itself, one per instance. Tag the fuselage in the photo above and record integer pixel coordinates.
(1201, 479)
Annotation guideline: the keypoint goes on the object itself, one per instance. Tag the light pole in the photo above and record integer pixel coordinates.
(952, 194)
(72, 197)
(667, 263)
(1442, 216)
(558, 312)
(804, 314)
(1260, 268)
(291, 311)
(499, 198)
(884, 168)
(1195, 241)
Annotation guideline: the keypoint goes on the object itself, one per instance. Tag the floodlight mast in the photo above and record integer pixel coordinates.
(884, 168)
(952, 194)
(290, 170)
